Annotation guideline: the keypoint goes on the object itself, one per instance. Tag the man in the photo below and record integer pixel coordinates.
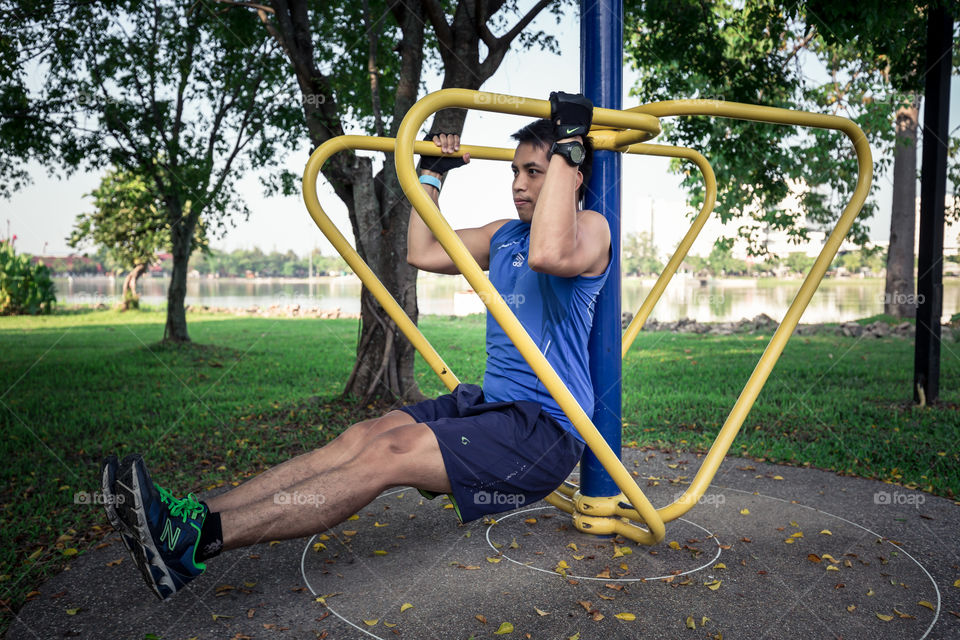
(505, 444)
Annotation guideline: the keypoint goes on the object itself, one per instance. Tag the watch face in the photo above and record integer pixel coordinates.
(577, 153)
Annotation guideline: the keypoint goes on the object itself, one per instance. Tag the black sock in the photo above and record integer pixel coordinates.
(211, 536)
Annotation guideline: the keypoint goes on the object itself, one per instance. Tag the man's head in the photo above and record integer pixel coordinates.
(530, 165)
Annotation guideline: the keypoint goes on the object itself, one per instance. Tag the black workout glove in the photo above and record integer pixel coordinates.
(571, 114)
(439, 164)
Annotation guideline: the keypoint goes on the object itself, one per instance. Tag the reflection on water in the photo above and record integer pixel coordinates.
(711, 301)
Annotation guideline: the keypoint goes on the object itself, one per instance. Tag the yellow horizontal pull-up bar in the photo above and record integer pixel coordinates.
(601, 139)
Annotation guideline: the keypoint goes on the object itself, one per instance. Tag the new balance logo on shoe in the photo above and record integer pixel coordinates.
(170, 535)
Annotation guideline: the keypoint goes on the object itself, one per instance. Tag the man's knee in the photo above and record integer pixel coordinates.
(409, 454)
(403, 445)
(366, 430)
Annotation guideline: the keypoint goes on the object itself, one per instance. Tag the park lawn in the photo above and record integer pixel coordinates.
(251, 392)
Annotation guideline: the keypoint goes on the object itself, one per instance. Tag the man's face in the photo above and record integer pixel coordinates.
(529, 170)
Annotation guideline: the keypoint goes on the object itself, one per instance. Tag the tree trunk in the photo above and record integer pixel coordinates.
(129, 293)
(181, 235)
(899, 296)
(385, 358)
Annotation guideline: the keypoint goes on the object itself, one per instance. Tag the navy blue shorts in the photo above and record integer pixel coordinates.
(498, 455)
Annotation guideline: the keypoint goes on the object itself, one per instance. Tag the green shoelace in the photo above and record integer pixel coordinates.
(188, 507)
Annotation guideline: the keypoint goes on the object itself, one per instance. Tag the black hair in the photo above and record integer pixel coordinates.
(541, 134)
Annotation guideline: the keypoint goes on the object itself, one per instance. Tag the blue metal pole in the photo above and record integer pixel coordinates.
(601, 80)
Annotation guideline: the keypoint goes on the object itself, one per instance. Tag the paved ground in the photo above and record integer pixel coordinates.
(771, 552)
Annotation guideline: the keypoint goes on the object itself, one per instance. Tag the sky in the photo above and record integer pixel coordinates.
(42, 215)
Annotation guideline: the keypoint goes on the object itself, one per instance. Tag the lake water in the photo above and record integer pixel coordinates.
(712, 301)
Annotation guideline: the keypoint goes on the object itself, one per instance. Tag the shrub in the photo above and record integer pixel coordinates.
(24, 287)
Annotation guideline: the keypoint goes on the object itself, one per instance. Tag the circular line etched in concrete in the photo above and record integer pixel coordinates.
(936, 614)
(880, 537)
(570, 575)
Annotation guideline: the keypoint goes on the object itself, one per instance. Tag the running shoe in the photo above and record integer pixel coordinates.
(107, 480)
(166, 529)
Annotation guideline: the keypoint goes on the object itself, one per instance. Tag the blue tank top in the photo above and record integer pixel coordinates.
(557, 313)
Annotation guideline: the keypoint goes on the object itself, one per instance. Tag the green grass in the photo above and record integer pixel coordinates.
(252, 392)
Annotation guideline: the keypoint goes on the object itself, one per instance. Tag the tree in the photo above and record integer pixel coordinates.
(373, 87)
(639, 255)
(721, 262)
(891, 45)
(128, 223)
(185, 95)
(799, 262)
(762, 52)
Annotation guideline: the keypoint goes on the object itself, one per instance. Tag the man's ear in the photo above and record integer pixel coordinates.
(579, 180)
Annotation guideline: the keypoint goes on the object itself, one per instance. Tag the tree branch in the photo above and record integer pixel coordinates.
(373, 32)
(802, 44)
(496, 53)
(440, 27)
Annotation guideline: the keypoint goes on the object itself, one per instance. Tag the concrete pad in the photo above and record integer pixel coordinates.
(857, 548)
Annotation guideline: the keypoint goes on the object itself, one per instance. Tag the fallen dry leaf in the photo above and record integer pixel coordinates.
(885, 618)
(924, 603)
(505, 628)
(629, 617)
(691, 624)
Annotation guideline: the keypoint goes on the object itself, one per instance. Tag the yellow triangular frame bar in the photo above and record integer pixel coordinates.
(614, 130)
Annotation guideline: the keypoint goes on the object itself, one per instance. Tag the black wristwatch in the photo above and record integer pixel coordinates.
(572, 152)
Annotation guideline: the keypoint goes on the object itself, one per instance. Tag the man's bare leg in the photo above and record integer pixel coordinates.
(404, 455)
(295, 470)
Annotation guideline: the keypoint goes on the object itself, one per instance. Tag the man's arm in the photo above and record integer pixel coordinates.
(424, 251)
(563, 241)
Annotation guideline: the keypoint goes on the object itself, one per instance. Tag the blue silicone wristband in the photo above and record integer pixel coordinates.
(433, 181)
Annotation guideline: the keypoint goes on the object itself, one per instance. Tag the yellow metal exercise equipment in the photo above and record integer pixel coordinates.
(615, 130)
